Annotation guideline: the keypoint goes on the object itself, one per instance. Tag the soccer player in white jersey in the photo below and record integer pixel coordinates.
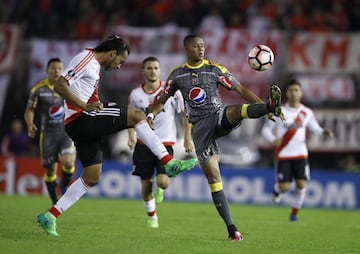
(88, 120)
(289, 139)
(144, 160)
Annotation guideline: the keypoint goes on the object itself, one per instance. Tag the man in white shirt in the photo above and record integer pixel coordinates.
(145, 162)
(289, 139)
(88, 120)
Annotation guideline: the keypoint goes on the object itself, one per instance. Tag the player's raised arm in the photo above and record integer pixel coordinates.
(230, 82)
(62, 87)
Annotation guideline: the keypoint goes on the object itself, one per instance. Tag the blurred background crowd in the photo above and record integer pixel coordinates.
(88, 19)
(83, 20)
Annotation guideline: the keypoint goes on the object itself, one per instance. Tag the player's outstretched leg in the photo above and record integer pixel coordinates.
(175, 167)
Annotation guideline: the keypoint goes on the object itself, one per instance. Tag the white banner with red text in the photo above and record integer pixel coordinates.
(324, 63)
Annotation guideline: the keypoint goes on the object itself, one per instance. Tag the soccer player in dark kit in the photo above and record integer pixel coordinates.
(55, 144)
(199, 80)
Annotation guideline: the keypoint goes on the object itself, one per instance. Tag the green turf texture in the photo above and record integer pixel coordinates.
(119, 226)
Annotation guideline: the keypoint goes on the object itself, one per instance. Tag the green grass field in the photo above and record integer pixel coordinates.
(118, 226)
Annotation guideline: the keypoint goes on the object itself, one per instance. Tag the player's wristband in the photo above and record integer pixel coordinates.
(150, 115)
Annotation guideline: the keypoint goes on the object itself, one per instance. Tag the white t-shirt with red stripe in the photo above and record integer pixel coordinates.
(292, 131)
(83, 75)
(164, 123)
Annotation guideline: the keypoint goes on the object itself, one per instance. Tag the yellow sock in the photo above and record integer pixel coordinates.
(68, 170)
(215, 187)
(49, 178)
(244, 113)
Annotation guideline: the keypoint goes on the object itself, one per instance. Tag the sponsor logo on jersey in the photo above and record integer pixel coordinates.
(56, 112)
(197, 95)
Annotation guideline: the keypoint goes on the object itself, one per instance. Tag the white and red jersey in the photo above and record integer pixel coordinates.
(83, 75)
(292, 131)
(164, 122)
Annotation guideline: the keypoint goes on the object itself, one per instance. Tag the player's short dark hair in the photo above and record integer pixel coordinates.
(53, 60)
(188, 38)
(292, 82)
(150, 59)
(113, 42)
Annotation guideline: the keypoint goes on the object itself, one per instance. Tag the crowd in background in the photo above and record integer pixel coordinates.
(88, 19)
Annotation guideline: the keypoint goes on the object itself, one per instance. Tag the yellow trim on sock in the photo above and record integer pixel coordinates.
(50, 178)
(244, 113)
(214, 187)
(68, 170)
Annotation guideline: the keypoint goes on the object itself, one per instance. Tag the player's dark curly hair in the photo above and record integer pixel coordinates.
(188, 38)
(113, 42)
(53, 60)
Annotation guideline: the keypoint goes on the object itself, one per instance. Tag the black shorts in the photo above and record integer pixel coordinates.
(146, 162)
(87, 131)
(54, 142)
(287, 170)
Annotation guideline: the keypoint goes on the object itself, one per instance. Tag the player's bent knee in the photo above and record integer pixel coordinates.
(284, 188)
(300, 185)
(91, 182)
(163, 184)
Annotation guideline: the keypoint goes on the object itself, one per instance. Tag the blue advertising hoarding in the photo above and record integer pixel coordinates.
(247, 186)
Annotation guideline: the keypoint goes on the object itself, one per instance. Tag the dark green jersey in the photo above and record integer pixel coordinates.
(199, 86)
(48, 104)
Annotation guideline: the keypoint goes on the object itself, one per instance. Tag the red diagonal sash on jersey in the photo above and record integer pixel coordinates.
(291, 131)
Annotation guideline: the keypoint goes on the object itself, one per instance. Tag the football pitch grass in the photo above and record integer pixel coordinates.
(119, 226)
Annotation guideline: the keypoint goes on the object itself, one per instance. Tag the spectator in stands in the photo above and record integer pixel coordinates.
(338, 18)
(16, 142)
(298, 20)
(212, 21)
(318, 21)
(261, 15)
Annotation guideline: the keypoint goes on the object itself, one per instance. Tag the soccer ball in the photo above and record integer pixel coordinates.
(260, 58)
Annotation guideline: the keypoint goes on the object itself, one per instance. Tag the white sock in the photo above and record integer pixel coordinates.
(150, 207)
(299, 197)
(147, 135)
(75, 191)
